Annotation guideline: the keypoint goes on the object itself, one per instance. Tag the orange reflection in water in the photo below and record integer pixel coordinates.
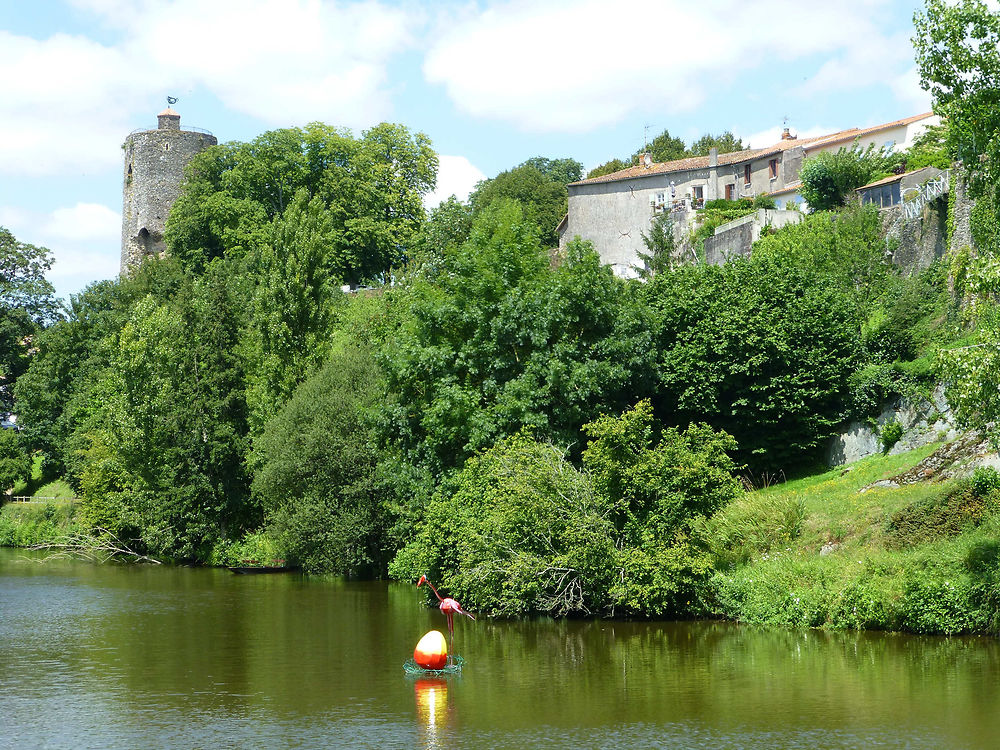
(432, 700)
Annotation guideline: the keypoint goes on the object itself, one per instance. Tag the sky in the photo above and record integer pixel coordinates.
(492, 83)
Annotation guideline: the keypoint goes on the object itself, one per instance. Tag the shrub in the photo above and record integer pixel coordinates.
(828, 178)
(890, 434)
(518, 530)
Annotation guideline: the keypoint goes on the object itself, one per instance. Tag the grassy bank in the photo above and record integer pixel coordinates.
(28, 524)
(816, 552)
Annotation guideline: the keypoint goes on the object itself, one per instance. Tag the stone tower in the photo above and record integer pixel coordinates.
(154, 169)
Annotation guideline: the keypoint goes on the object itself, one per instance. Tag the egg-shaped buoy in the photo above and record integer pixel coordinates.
(431, 651)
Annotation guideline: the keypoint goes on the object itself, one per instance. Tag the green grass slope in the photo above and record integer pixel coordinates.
(816, 552)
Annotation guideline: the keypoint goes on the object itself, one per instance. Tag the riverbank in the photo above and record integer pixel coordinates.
(42, 522)
(831, 550)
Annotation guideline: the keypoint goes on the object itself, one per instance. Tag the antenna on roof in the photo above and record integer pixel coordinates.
(645, 136)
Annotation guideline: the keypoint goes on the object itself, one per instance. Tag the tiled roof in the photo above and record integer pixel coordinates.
(693, 162)
(851, 134)
(735, 157)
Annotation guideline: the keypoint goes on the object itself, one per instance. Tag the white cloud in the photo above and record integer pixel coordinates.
(84, 221)
(456, 176)
(84, 240)
(567, 65)
(66, 101)
(907, 89)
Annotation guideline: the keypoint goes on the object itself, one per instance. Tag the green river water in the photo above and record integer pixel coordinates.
(142, 656)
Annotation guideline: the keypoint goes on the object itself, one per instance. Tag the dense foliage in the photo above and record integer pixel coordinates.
(534, 433)
(368, 191)
(828, 178)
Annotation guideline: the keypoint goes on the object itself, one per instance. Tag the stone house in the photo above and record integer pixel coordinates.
(614, 210)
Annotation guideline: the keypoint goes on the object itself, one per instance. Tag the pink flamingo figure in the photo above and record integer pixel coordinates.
(450, 607)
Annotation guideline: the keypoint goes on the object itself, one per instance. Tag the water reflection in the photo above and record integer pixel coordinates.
(108, 657)
(433, 711)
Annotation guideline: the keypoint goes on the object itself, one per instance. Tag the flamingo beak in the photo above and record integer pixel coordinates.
(423, 579)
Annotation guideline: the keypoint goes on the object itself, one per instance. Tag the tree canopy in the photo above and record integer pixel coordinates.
(27, 304)
(369, 187)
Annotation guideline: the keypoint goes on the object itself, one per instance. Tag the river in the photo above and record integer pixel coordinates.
(144, 656)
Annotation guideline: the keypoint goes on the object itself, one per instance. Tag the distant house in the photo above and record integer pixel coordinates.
(614, 210)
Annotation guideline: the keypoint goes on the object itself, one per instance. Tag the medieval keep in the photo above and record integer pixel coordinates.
(154, 169)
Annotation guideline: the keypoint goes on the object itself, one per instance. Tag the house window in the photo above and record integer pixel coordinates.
(746, 173)
(772, 168)
(730, 189)
(698, 195)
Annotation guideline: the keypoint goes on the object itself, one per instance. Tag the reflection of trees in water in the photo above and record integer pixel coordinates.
(597, 671)
(288, 648)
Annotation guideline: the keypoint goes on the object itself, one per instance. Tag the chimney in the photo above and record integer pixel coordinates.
(713, 157)
(645, 160)
(713, 174)
(786, 135)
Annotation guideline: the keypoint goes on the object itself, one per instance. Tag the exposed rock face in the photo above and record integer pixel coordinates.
(922, 424)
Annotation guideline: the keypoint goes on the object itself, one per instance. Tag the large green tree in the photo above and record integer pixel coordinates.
(958, 55)
(497, 340)
(27, 304)
(724, 142)
(539, 185)
(370, 186)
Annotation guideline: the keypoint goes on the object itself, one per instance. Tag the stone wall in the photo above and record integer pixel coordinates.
(961, 228)
(154, 170)
(736, 237)
(918, 242)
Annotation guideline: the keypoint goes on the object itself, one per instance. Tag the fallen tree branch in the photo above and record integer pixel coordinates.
(98, 546)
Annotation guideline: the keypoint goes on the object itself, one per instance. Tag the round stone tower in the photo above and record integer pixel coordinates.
(154, 169)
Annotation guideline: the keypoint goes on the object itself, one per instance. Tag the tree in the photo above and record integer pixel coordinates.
(663, 147)
(660, 244)
(371, 187)
(292, 308)
(828, 178)
(167, 443)
(562, 171)
(725, 142)
(958, 54)
(614, 165)
(318, 479)
(27, 304)
(15, 461)
(497, 340)
(543, 200)
(930, 149)
(762, 349)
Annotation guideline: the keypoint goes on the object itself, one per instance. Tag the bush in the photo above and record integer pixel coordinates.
(828, 178)
(890, 434)
(518, 530)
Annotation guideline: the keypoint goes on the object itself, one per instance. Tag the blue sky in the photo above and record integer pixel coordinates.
(492, 84)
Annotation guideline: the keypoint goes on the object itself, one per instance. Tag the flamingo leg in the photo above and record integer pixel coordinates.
(451, 635)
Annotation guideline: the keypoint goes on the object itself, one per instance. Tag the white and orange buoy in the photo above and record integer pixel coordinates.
(431, 651)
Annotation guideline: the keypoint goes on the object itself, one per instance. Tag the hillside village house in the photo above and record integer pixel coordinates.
(612, 211)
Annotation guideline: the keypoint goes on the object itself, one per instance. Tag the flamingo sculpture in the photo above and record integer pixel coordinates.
(450, 607)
